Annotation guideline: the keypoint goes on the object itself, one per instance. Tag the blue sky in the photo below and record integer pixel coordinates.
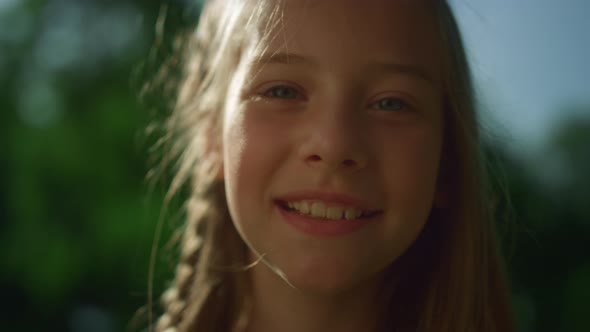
(530, 59)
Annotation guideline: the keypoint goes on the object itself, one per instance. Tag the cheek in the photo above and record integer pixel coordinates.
(234, 143)
(422, 156)
(253, 149)
(252, 142)
(239, 167)
(410, 169)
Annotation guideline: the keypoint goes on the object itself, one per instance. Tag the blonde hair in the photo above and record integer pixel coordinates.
(450, 279)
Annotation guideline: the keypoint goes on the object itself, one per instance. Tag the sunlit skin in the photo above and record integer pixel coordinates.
(346, 100)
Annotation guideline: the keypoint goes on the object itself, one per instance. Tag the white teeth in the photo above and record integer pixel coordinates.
(321, 211)
(304, 208)
(334, 213)
(318, 210)
(352, 214)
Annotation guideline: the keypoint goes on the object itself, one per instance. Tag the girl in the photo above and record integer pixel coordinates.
(333, 158)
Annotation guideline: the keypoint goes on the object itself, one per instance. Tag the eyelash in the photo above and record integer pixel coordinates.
(400, 102)
(269, 92)
(295, 94)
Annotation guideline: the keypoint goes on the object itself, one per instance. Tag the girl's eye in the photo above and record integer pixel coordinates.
(390, 104)
(281, 92)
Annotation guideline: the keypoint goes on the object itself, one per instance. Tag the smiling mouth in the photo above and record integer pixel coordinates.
(324, 211)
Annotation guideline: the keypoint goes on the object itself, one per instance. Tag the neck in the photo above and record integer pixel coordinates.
(278, 307)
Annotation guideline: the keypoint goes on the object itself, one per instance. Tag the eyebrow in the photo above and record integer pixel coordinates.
(415, 71)
(282, 58)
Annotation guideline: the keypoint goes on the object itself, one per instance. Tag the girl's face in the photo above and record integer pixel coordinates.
(332, 139)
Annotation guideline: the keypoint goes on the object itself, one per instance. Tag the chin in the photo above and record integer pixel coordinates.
(323, 278)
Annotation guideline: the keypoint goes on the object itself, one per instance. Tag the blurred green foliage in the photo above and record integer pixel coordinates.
(77, 215)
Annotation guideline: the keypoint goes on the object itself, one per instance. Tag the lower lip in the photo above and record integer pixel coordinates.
(319, 227)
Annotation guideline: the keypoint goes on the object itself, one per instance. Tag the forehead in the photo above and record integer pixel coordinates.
(339, 32)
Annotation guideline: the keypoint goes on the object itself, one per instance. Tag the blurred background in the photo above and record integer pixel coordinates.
(78, 217)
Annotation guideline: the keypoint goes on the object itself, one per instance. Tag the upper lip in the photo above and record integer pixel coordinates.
(336, 198)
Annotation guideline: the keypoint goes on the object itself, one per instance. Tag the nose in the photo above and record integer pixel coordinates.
(334, 142)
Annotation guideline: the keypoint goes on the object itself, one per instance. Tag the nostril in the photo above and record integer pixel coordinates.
(315, 157)
(348, 163)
